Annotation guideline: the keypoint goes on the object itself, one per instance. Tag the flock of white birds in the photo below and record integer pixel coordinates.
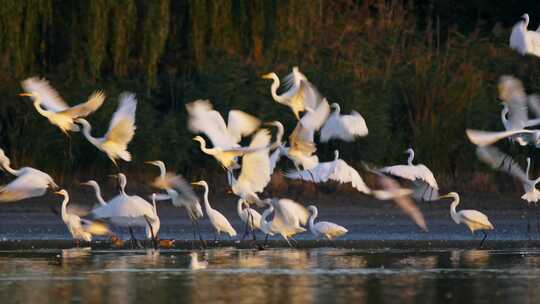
(249, 168)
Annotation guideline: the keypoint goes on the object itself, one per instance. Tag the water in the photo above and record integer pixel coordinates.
(271, 276)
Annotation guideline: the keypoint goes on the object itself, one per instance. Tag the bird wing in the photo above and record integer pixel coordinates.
(403, 171)
(301, 139)
(355, 124)
(319, 174)
(122, 127)
(241, 124)
(203, 119)
(290, 212)
(84, 109)
(403, 201)
(486, 138)
(498, 160)
(533, 103)
(25, 186)
(344, 173)
(476, 217)
(50, 99)
(517, 110)
(256, 165)
(316, 117)
(517, 38)
(344, 127)
(534, 42)
(274, 159)
(423, 173)
(186, 194)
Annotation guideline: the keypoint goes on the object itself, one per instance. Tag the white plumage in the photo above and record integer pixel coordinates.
(486, 138)
(248, 215)
(475, 220)
(337, 170)
(218, 220)
(54, 108)
(497, 160)
(121, 129)
(327, 229)
(195, 264)
(524, 41)
(29, 183)
(344, 127)
(97, 191)
(80, 229)
(129, 210)
(299, 93)
(288, 218)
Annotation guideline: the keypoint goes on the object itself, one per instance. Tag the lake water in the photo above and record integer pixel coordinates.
(271, 276)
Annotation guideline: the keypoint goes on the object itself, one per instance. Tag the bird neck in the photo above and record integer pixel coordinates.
(274, 87)
(7, 167)
(37, 105)
(526, 24)
(264, 224)
(503, 117)
(338, 109)
(453, 212)
(97, 190)
(312, 221)
(202, 144)
(64, 206)
(162, 170)
(411, 158)
(528, 167)
(206, 202)
(239, 209)
(86, 129)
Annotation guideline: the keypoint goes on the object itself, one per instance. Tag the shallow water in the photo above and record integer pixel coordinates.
(271, 276)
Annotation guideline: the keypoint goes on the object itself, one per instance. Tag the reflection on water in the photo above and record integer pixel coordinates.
(270, 276)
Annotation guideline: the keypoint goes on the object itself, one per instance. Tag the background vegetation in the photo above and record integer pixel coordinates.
(420, 72)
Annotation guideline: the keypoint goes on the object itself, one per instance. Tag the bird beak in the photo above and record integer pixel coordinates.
(150, 162)
(57, 192)
(113, 175)
(229, 191)
(195, 183)
(267, 76)
(444, 196)
(25, 94)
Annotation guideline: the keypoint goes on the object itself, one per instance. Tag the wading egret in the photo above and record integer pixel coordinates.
(80, 229)
(218, 220)
(121, 130)
(248, 215)
(225, 137)
(344, 127)
(300, 93)
(48, 103)
(288, 218)
(129, 210)
(420, 174)
(255, 173)
(326, 229)
(337, 170)
(524, 41)
(29, 183)
(195, 264)
(475, 220)
(498, 160)
(97, 191)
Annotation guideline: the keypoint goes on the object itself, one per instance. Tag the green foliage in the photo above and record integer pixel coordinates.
(418, 74)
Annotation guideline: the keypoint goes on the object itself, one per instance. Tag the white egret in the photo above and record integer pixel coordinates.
(218, 221)
(328, 230)
(475, 220)
(524, 41)
(80, 229)
(255, 173)
(300, 93)
(420, 174)
(121, 129)
(487, 138)
(337, 170)
(48, 103)
(249, 216)
(344, 127)
(195, 264)
(498, 160)
(225, 137)
(29, 183)
(288, 218)
(97, 191)
(130, 210)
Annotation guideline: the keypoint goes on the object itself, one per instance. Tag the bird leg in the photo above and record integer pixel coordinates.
(133, 240)
(202, 242)
(215, 237)
(265, 240)
(252, 223)
(154, 241)
(286, 239)
(482, 242)
(69, 154)
(528, 221)
(537, 221)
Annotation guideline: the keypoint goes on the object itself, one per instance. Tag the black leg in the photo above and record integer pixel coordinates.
(203, 243)
(483, 239)
(154, 241)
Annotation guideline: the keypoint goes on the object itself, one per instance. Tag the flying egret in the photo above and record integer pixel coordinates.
(224, 137)
(121, 129)
(29, 183)
(487, 138)
(327, 229)
(255, 173)
(218, 221)
(336, 170)
(344, 127)
(524, 41)
(97, 191)
(195, 264)
(249, 216)
(48, 103)
(130, 210)
(288, 218)
(180, 193)
(300, 93)
(419, 174)
(80, 229)
(498, 160)
(475, 220)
